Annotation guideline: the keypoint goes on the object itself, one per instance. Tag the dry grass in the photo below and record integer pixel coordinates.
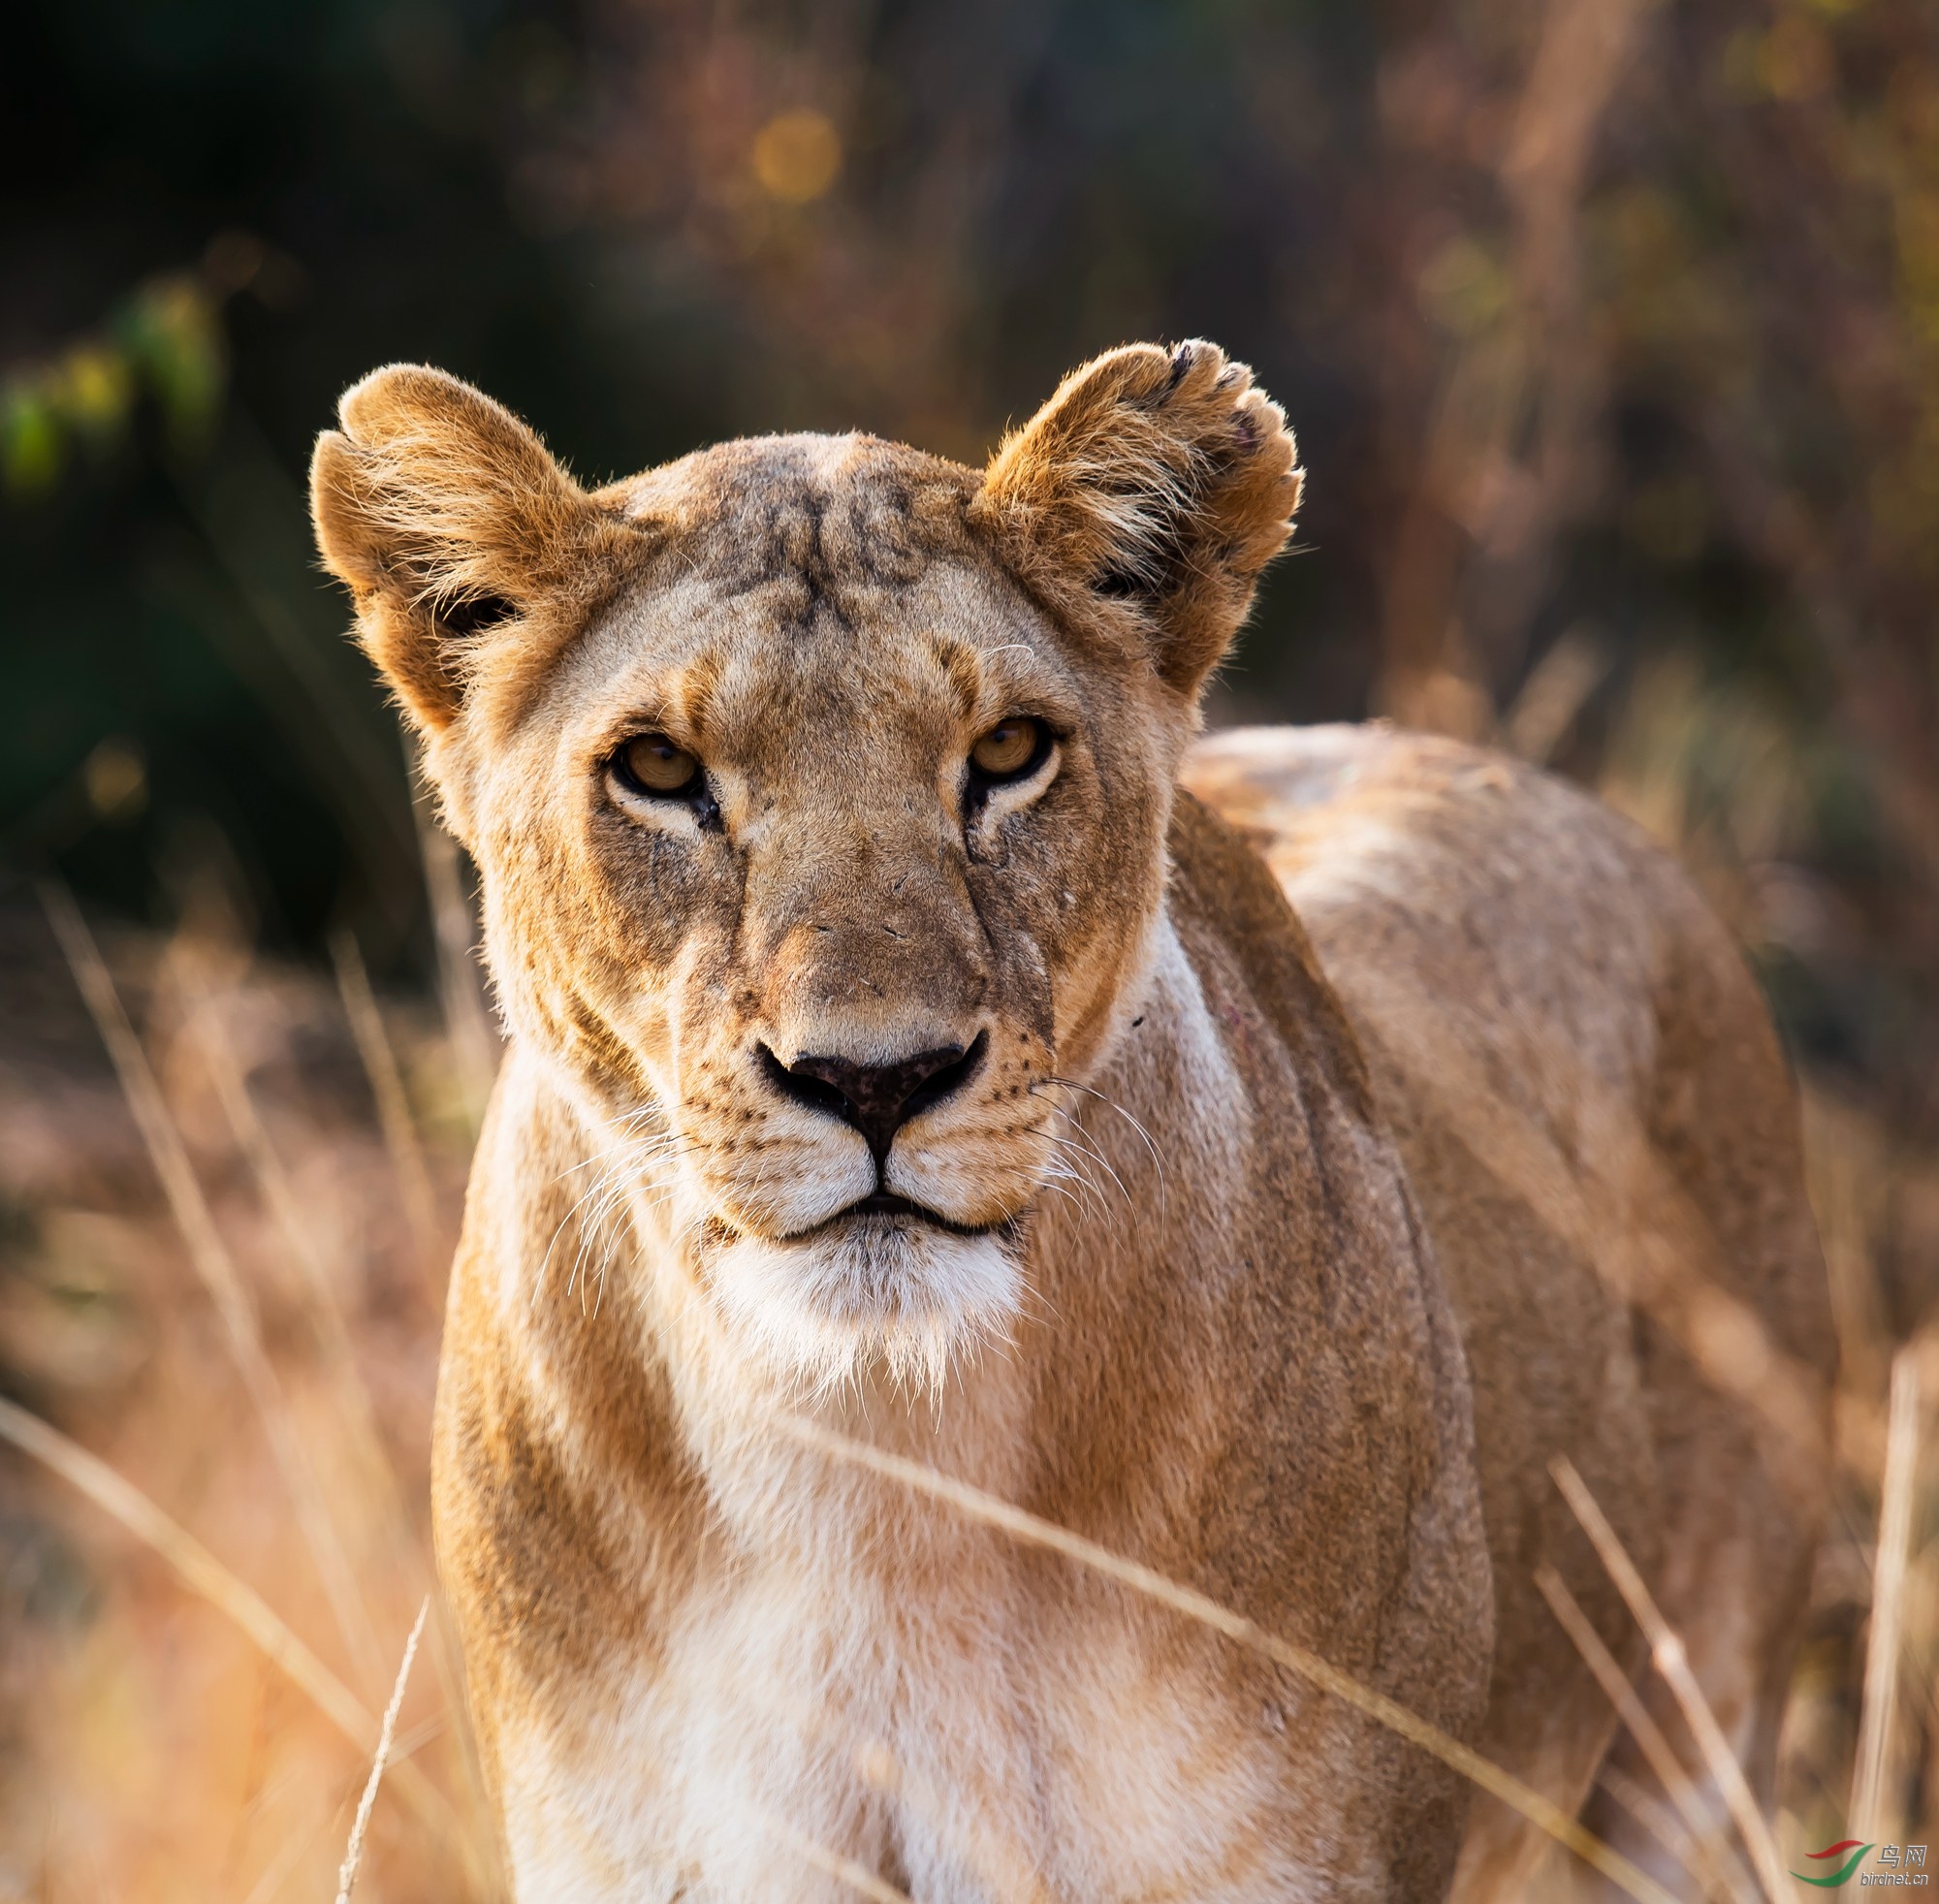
(1875, 1779)
(1667, 1656)
(1688, 1833)
(353, 1856)
(241, 1368)
(248, 1354)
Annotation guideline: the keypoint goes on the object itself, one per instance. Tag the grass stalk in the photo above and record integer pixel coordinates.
(217, 1271)
(240, 1603)
(1715, 1866)
(353, 1857)
(1668, 1654)
(280, 1869)
(387, 1085)
(1032, 1530)
(332, 1330)
(278, 1198)
(1874, 1782)
(1661, 1823)
(198, 1568)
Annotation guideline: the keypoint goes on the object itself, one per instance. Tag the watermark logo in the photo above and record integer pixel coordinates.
(1897, 1864)
(1843, 1874)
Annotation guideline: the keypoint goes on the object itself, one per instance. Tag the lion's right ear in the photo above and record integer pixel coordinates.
(1146, 497)
(465, 544)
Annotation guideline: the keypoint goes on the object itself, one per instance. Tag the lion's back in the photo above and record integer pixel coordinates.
(1525, 964)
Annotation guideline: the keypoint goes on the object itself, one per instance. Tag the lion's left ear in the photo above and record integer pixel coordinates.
(470, 553)
(1145, 498)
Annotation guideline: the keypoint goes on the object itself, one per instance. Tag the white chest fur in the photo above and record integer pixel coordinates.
(1017, 1735)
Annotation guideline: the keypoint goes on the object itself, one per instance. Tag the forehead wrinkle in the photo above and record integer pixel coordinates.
(958, 666)
(1018, 677)
(691, 693)
(769, 699)
(855, 726)
(912, 664)
(687, 656)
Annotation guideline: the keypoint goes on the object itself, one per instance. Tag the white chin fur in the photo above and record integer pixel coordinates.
(892, 1295)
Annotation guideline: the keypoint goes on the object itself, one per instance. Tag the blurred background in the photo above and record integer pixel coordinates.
(1610, 328)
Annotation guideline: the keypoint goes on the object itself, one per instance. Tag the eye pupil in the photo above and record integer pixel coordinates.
(1009, 749)
(653, 764)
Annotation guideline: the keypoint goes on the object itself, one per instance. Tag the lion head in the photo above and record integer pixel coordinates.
(819, 792)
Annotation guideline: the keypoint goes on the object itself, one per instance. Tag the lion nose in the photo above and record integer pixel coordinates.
(877, 1100)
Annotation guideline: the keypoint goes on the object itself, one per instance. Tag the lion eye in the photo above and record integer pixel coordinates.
(1009, 749)
(652, 763)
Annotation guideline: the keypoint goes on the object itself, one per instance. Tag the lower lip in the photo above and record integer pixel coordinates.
(884, 1207)
(886, 1203)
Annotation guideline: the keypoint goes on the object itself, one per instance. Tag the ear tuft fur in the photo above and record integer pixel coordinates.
(454, 530)
(1146, 497)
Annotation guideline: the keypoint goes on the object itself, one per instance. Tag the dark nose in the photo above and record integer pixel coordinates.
(877, 1100)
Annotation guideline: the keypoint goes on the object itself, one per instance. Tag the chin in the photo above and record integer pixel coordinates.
(864, 1294)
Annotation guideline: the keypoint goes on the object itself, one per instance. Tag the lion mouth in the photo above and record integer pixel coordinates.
(887, 1203)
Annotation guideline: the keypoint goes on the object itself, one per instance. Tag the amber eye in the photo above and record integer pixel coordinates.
(1010, 748)
(650, 763)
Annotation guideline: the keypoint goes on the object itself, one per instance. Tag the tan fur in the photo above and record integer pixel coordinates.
(1283, 1265)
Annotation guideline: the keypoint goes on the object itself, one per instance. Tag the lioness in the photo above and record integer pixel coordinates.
(893, 1039)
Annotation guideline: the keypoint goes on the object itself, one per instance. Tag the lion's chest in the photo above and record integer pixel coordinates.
(993, 1742)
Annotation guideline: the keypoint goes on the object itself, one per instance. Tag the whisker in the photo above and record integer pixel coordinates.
(1059, 1176)
(612, 1190)
(641, 1158)
(1080, 1143)
(645, 1148)
(545, 1261)
(1056, 1175)
(1111, 1103)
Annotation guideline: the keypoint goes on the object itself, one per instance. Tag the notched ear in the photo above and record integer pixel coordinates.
(1146, 497)
(469, 550)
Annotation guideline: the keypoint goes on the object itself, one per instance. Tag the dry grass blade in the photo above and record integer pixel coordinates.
(1872, 1783)
(353, 1857)
(1657, 1819)
(217, 1270)
(196, 1565)
(1034, 1531)
(387, 1085)
(1708, 1856)
(202, 1574)
(278, 1198)
(844, 1870)
(1667, 1652)
(252, 1139)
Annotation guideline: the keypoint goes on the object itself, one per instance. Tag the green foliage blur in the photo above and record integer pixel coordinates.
(1610, 328)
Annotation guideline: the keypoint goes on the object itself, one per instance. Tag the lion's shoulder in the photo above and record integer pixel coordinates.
(1234, 918)
(1548, 1003)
